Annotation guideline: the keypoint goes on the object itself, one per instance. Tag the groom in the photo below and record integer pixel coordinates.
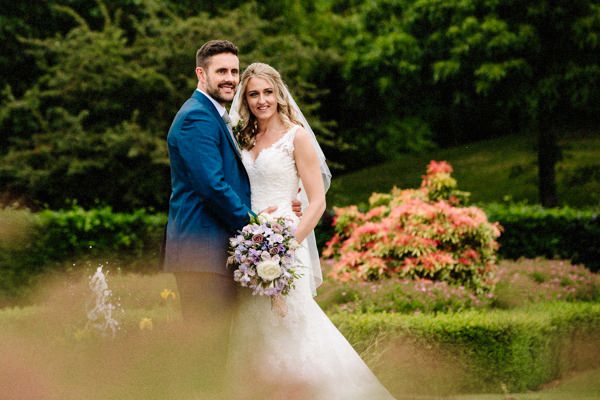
(210, 195)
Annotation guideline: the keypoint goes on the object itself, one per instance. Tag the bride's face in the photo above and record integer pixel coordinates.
(261, 98)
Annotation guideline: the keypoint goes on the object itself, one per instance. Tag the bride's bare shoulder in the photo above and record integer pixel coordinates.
(303, 143)
(300, 134)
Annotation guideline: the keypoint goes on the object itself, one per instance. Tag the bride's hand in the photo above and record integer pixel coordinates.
(268, 210)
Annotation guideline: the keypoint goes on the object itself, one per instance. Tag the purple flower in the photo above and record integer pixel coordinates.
(276, 238)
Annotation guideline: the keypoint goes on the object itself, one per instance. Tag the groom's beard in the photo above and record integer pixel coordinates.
(215, 93)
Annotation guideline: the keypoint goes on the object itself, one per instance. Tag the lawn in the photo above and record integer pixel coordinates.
(580, 385)
(491, 170)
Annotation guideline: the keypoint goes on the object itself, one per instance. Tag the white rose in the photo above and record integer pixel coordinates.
(262, 219)
(268, 270)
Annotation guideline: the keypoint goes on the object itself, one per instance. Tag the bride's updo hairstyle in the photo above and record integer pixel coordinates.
(249, 128)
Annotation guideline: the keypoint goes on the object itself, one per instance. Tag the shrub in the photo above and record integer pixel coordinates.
(18, 258)
(531, 231)
(400, 296)
(518, 284)
(31, 244)
(521, 349)
(98, 232)
(562, 233)
(422, 233)
(535, 281)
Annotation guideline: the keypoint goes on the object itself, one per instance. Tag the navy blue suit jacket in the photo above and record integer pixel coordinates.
(210, 190)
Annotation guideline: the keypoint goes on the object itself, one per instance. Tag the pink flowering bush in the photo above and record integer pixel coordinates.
(416, 233)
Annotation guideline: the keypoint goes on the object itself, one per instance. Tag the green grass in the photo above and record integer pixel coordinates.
(581, 385)
(490, 170)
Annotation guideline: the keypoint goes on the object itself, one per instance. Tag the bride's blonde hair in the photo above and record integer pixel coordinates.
(249, 129)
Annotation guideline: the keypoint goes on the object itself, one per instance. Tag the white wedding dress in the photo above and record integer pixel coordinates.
(302, 355)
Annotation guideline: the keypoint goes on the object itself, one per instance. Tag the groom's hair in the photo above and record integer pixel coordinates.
(212, 48)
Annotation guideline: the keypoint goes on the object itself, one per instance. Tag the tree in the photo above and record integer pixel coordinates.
(92, 127)
(463, 70)
(535, 62)
(383, 108)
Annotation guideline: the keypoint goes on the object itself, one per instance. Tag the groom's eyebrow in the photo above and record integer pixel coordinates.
(224, 69)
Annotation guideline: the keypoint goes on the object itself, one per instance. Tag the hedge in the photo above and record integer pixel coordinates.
(31, 244)
(521, 349)
(561, 233)
(47, 240)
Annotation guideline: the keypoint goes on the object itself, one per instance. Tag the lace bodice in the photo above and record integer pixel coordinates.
(273, 175)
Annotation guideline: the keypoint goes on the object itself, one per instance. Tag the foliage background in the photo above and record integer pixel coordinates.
(89, 88)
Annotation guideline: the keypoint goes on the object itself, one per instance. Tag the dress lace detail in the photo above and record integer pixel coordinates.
(303, 349)
(273, 176)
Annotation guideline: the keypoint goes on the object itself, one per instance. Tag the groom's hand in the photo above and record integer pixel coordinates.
(297, 208)
(268, 210)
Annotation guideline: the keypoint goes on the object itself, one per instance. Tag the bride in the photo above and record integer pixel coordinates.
(300, 355)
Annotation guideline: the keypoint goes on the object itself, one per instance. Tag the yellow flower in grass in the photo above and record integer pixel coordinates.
(146, 324)
(166, 294)
(82, 334)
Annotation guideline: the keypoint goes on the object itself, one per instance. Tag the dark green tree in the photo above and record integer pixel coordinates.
(92, 127)
(533, 64)
(462, 70)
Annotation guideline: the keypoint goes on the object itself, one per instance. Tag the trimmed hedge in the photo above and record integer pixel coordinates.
(45, 241)
(31, 244)
(521, 349)
(99, 232)
(533, 231)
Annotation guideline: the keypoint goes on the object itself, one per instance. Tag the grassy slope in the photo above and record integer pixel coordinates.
(490, 170)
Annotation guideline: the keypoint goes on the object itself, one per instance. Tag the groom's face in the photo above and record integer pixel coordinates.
(220, 77)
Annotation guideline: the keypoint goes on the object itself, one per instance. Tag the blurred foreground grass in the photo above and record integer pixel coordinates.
(581, 385)
(44, 355)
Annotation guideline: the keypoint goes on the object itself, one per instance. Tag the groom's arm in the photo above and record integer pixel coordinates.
(198, 145)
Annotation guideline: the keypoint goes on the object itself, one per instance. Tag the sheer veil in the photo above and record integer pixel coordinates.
(315, 267)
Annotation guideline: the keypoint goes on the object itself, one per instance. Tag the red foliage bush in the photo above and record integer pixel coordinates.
(416, 233)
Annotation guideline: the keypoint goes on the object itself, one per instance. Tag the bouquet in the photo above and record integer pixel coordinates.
(262, 254)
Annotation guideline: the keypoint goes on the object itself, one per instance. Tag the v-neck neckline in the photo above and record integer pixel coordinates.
(254, 159)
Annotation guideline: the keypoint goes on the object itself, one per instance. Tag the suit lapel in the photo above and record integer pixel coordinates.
(210, 106)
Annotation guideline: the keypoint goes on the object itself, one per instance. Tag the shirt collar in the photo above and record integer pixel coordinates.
(220, 109)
